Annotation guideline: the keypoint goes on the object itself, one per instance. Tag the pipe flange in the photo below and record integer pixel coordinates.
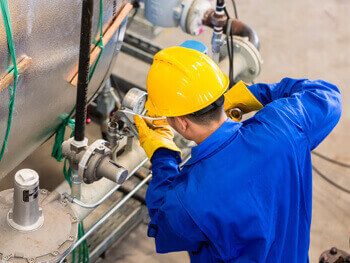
(48, 243)
(20, 228)
(192, 15)
(251, 56)
(94, 153)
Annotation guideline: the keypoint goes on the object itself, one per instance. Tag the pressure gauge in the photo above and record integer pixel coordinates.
(135, 100)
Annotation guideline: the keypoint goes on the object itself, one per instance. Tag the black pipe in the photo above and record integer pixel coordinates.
(83, 71)
(220, 5)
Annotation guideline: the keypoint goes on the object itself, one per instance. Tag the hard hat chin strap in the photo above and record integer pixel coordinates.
(219, 102)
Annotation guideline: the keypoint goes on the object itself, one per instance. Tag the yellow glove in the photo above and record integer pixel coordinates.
(239, 96)
(153, 139)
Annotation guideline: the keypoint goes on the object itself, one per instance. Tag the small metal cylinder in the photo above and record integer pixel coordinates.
(112, 171)
(76, 184)
(26, 214)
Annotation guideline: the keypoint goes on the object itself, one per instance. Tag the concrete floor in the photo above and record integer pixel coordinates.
(299, 38)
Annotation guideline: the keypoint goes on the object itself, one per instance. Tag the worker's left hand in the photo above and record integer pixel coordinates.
(240, 97)
(153, 139)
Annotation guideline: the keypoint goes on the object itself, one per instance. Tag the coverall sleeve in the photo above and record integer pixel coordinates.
(171, 226)
(314, 105)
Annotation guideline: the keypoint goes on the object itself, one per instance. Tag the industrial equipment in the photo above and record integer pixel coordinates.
(334, 255)
(36, 225)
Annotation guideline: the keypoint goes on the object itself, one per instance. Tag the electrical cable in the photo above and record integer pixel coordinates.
(136, 5)
(235, 8)
(331, 160)
(330, 181)
(230, 48)
(14, 70)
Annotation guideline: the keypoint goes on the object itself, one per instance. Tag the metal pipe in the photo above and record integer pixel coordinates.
(217, 40)
(76, 184)
(83, 72)
(115, 98)
(137, 196)
(73, 199)
(107, 215)
(238, 28)
(220, 5)
(241, 29)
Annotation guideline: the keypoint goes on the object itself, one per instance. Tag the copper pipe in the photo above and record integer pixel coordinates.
(22, 66)
(241, 29)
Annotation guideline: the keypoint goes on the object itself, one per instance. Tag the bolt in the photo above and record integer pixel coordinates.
(55, 253)
(71, 238)
(31, 260)
(252, 71)
(333, 251)
(43, 191)
(64, 202)
(177, 13)
(341, 259)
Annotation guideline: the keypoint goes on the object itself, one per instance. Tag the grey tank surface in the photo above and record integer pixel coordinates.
(48, 31)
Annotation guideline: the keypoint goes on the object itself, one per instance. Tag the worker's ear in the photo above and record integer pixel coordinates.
(182, 123)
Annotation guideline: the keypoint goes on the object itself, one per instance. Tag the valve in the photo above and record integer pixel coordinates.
(36, 225)
(93, 162)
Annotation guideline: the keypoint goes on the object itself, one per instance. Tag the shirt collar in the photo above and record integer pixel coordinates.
(214, 142)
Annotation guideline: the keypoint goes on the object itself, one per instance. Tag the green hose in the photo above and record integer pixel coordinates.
(14, 70)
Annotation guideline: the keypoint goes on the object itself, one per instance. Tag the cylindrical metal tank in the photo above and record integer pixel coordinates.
(48, 31)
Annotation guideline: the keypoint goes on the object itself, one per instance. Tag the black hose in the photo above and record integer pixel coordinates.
(339, 187)
(331, 160)
(83, 71)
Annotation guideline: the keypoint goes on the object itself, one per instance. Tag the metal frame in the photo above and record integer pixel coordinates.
(139, 48)
(117, 235)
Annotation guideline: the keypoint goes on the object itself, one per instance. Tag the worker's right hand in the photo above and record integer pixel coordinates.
(153, 139)
(240, 97)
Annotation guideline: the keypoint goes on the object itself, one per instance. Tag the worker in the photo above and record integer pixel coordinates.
(245, 195)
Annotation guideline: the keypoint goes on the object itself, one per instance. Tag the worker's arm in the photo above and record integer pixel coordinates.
(171, 226)
(315, 106)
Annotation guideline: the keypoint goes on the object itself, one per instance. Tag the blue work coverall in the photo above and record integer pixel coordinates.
(246, 193)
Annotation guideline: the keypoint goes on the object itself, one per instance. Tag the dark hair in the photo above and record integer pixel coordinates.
(208, 114)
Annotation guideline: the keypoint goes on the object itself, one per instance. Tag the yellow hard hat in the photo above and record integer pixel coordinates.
(182, 81)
